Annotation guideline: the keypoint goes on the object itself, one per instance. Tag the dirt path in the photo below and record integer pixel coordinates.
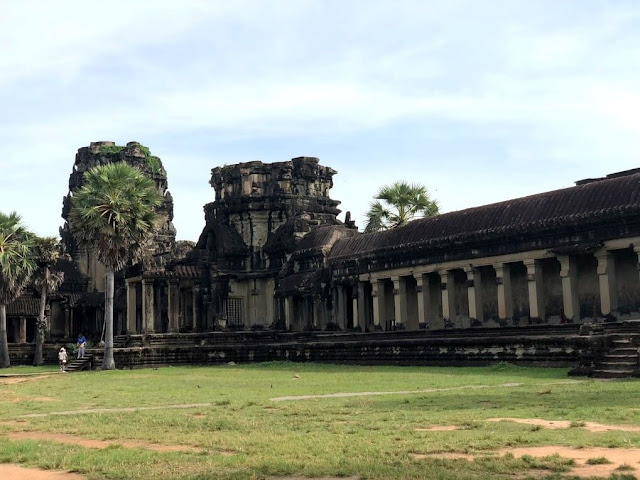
(16, 472)
(91, 443)
(412, 392)
(115, 410)
(615, 458)
(562, 424)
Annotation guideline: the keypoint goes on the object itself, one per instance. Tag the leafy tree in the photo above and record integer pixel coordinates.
(114, 213)
(16, 266)
(397, 204)
(46, 252)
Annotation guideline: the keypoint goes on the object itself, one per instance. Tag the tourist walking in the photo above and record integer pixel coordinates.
(62, 358)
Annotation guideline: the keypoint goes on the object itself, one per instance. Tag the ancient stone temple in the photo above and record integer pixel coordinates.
(79, 303)
(259, 216)
(510, 281)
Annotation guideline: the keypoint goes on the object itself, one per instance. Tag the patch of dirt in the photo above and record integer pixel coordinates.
(199, 415)
(617, 457)
(438, 428)
(227, 453)
(14, 423)
(16, 472)
(33, 399)
(560, 424)
(11, 379)
(91, 443)
(312, 478)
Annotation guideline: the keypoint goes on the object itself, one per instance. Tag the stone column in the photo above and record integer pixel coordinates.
(422, 297)
(569, 276)
(536, 292)
(474, 281)
(607, 280)
(448, 296)
(400, 300)
(173, 305)
(131, 307)
(362, 307)
(67, 322)
(505, 300)
(195, 295)
(23, 330)
(288, 312)
(354, 302)
(377, 295)
(341, 311)
(147, 306)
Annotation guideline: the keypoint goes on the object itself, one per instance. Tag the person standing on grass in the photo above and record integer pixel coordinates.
(62, 357)
(82, 342)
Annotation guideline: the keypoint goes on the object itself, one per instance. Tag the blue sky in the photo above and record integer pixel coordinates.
(479, 101)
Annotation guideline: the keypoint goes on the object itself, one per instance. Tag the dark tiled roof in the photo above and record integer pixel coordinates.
(322, 237)
(24, 307)
(186, 271)
(580, 206)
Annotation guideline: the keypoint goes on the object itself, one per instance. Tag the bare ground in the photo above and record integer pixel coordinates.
(617, 457)
(16, 472)
(561, 424)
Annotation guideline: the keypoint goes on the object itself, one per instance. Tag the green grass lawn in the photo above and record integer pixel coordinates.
(243, 433)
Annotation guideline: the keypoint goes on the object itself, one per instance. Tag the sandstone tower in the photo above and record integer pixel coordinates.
(100, 153)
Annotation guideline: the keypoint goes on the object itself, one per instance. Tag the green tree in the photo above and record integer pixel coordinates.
(397, 204)
(47, 250)
(16, 266)
(114, 213)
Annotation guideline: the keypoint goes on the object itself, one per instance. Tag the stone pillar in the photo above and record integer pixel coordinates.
(354, 302)
(377, 295)
(505, 300)
(288, 312)
(195, 296)
(173, 305)
(23, 330)
(569, 276)
(474, 281)
(607, 280)
(422, 297)
(448, 296)
(341, 311)
(148, 304)
(536, 292)
(400, 300)
(67, 322)
(362, 307)
(131, 307)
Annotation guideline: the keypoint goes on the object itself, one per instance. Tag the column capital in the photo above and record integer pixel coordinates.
(567, 265)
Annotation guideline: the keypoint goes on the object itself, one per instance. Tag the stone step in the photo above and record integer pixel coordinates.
(621, 358)
(613, 373)
(611, 365)
(80, 364)
(624, 351)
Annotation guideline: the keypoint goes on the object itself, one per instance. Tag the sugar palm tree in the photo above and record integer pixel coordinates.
(397, 204)
(16, 266)
(46, 252)
(114, 213)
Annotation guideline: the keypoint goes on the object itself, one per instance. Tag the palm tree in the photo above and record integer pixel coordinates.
(403, 202)
(47, 252)
(114, 212)
(16, 266)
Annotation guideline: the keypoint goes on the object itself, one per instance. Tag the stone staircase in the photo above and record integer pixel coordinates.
(84, 363)
(621, 359)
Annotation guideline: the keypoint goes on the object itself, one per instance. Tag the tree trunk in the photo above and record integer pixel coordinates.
(4, 344)
(107, 362)
(41, 323)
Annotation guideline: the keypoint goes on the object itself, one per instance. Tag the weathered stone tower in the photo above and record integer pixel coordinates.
(100, 153)
(260, 213)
